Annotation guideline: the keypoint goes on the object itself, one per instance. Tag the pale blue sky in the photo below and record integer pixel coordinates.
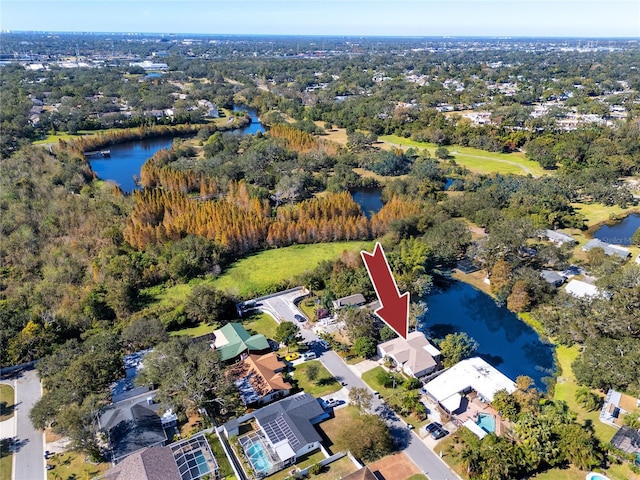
(575, 18)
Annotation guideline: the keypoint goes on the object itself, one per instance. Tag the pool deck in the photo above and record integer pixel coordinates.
(475, 407)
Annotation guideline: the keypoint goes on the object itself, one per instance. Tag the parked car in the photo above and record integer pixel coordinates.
(50, 467)
(332, 403)
(300, 318)
(439, 433)
(432, 426)
(292, 356)
(309, 355)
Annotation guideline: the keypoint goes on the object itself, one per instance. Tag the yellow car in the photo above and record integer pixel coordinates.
(292, 356)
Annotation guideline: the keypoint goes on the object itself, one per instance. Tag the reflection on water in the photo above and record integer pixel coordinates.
(503, 340)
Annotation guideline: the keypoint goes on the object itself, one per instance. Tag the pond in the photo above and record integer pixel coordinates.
(621, 232)
(504, 341)
(126, 160)
(370, 200)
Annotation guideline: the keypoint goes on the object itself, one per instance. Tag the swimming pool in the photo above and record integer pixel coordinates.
(258, 458)
(486, 422)
(595, 476)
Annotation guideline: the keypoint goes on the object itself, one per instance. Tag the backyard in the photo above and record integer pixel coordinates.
(73, 466)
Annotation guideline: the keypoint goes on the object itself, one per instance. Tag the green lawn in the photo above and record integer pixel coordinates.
(393, 396)
(338, 469)
(198, 331)
(596, 213)
(6, 459)
(72, 466)
(261, 271)
(218, 452)
(477, 160)
(262, 323)
(566, 387)
(302, 463)
(269, 267)
(323, 385)
(7, 402)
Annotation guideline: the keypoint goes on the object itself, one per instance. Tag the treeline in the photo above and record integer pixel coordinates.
(300, 141)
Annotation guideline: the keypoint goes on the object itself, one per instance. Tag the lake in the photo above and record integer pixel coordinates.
(621, 232)
(504, 341)
(370, 200)
(126, 160)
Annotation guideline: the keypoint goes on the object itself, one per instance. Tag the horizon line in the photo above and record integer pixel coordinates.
(311, 35)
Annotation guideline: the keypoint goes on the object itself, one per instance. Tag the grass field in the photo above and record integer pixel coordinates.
(198, 331)
(218, 452)
(72, 466)
(323, 385)
(566, 387)
(7, 402)
(262, 270)
(302, 463)
(6, 459)
(477, 160)
(261, 322)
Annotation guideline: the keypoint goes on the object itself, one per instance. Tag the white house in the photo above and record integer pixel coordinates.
(471, 374)
(415, 355)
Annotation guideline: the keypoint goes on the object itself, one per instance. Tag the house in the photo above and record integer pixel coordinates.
(232, 341)
(607, 247)
(135, 424)
(553, 278)
(558, 238)
(188, 459)
(259, 379)
(356, 300)
(472, 374)
(363, 474)
(282, 432)
(616, 405)
(581, 289)
(415, 355)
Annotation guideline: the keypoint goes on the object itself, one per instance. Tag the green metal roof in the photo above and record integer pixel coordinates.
(240, 341)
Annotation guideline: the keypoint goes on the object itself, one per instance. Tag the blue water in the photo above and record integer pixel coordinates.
(621, 232)
(255, 126)
(504, 341)
(126, 160)
(370, 200)
(258, 458)
(486, 422)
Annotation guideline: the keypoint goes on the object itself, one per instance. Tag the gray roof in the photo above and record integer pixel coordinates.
(552, 277)
(559, 237)
(607, 247)
(350, 301)
(132, 425)
(291, 418)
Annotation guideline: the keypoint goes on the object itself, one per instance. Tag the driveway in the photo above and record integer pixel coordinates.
(281, 306)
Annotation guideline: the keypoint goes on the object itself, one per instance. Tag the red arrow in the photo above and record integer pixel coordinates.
(395, 307)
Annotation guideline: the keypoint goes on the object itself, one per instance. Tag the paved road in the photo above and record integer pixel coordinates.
(28, 460)
(425, 459)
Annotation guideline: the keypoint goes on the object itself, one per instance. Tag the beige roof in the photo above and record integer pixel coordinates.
(363, 474)
(415, 353)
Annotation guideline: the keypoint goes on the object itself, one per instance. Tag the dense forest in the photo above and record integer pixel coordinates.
(78, 256)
